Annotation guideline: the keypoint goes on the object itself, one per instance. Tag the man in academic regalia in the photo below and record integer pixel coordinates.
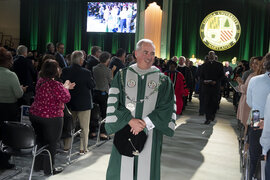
(187, 74)
(177, 79)
(143, 98)
(211, 76)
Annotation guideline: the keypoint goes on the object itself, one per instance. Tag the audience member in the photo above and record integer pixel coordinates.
(26, 73)
(46, 112)
(10, 92)
(258, 89)
(81, 101)
(50, 49)
(93, 59)
(60, 48)
(228, 73)
(43, 59)
(103, 77)
(129, 60)
(118, 61)
(248, 72)
(264, 140)
(243, 108)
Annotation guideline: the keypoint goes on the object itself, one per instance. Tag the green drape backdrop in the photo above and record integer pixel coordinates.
(65, 21)
(254, 17)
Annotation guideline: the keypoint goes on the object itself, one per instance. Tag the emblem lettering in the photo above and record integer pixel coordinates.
(220, 30)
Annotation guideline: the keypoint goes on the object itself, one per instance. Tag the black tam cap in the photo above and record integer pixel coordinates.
(129, 144)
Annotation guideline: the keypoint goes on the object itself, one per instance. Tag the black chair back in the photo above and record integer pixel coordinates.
(95, 113)
(18, 135)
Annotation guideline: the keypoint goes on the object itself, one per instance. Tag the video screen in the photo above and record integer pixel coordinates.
(116, 17)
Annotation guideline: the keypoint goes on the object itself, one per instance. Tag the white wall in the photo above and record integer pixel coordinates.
(10, 17)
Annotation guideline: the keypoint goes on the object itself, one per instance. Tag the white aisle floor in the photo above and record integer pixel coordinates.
(196, 152)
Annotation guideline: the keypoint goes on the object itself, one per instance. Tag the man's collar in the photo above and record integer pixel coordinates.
(59, 53)
(137, 70)
(95, 57)
(183, 65)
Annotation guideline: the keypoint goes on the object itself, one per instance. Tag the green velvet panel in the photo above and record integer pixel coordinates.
(65, 21)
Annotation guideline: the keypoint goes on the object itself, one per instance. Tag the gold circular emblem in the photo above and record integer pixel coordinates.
(220, 30)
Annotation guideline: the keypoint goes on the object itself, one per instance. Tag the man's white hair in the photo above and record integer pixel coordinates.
(142, 41)
(182, 57)
(21, 50)
(76, 57)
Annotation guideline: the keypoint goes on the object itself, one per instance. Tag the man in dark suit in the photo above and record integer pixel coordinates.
(50, 49)
(93, 60)
(81, 101)
(26, 73)
(118, 61)
(211, 76)
(60, 47)
(193, 70)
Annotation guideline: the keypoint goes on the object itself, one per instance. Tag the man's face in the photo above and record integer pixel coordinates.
(181, 61)
(98, 53)
(145, 56)
(172, 67)
(61, 49)
(175, 59)
(52, 49)
(227, 64)
(190, 63)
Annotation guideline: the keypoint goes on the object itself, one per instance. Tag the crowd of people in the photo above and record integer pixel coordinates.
(51, 82)
(254, 87)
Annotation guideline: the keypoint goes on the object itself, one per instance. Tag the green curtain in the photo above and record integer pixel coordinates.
(65, 21)
(254, 17)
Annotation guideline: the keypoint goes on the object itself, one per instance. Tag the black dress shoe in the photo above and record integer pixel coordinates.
(57, 170)
(213, 117)
(207, 121)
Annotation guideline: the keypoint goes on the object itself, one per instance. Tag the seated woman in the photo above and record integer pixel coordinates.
(10, 92)
(178, 82)
(46, 112)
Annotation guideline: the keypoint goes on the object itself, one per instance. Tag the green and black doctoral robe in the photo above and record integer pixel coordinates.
(137, 93)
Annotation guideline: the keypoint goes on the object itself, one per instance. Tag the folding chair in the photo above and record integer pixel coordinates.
(19, 139)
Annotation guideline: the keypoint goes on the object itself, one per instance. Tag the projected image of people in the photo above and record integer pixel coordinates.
(111, 17)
